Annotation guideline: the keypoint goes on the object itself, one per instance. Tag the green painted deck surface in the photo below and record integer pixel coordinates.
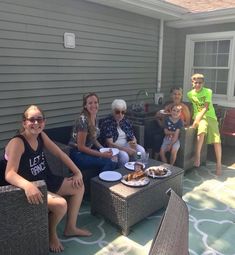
(211, 203)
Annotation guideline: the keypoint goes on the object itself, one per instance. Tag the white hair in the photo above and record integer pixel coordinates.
(118, 104)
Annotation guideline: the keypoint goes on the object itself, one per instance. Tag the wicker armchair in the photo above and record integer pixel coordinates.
(172, 234)
(185, 154)
(23, 227)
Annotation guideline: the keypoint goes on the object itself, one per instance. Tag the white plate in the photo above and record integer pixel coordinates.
(133, 183)
(168, 173)
(164, 112)
(115, 151)
(131, 165)
(110, 176)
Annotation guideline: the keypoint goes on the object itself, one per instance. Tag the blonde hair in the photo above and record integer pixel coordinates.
(197, 76)
(178, 106)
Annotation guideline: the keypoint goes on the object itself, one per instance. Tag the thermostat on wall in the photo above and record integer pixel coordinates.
(158, 98)
(69, 40)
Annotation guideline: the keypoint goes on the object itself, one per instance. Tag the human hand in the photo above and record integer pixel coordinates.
(77, 180)
(107, 154)
(130, 151)
(194, 125)
(132, 144)
(33, 194)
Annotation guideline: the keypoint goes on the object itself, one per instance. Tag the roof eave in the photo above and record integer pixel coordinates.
(154, 9)
(204, 18)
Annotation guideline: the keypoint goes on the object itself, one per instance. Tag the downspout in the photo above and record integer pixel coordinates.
(160, 50)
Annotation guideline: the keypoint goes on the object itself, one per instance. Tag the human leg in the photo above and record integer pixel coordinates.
(75, 196)
(88, 162)
(174, 151)
(218, 155)
(123, 158)
(214, 138)
(164, 149)
(140, 149)
(157, 140)
(163, 156)
(202, 131)
(57, 207)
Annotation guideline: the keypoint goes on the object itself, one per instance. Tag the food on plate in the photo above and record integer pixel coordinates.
(158, 171)
(138, 166)
(137, 175)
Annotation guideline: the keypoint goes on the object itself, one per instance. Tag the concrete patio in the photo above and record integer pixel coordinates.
(211, 204)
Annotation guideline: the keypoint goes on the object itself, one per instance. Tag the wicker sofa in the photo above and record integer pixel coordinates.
(23, 227)
(61, 137)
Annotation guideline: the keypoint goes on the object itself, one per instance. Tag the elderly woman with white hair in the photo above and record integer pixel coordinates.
(117, 132)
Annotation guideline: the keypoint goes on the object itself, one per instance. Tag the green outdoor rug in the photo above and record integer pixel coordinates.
(211, 204)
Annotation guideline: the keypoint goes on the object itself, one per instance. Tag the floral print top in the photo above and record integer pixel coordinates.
(82, 125)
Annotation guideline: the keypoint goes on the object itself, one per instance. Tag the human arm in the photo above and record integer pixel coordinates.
(200, 115)
(187, 115)
(130, 151)
(14, 151)
(81, 143)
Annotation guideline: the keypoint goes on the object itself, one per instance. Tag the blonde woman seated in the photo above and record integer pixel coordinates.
(117, 132)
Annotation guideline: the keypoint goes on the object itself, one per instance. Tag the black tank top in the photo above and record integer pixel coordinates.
(33, 166)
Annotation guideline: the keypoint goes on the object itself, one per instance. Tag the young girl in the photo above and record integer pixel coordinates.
(26, 163)
(172, 127)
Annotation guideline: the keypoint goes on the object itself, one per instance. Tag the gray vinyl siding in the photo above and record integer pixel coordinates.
(116, 55)
(169, 62)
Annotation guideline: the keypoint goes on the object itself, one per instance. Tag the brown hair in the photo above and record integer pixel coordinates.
(176, 88)
(91, 127)
(25, 113)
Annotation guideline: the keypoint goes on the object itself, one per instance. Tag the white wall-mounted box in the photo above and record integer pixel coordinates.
(69, 40)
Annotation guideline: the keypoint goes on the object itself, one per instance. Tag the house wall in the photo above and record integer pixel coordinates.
(116, 55)
(169, 62)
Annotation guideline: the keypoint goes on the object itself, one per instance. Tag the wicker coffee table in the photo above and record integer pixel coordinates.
(125, 206)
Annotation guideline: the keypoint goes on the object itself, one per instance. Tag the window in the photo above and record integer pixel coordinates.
(211, 54)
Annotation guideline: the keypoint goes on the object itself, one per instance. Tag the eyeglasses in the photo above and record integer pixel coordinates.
(118, 112)
(34, 120)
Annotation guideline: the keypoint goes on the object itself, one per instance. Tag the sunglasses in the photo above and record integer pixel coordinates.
(34, 120)
(118, 112)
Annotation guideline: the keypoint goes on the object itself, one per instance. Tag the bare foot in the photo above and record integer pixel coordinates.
(218, 169)
(77, 232)
(55, 244)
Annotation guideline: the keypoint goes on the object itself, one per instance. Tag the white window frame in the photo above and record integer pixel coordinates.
(229, 98)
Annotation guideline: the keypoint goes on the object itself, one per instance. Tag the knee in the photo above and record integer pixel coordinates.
(59, 207)
(79, 191)
(123, 157)
(141, 149)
